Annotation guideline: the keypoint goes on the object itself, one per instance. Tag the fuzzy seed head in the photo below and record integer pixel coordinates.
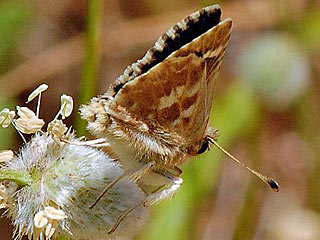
(66, 179)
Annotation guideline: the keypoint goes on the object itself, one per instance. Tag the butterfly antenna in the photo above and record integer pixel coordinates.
(268, 180)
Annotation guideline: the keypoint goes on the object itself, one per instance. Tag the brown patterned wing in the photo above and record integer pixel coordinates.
(177, 93)
(169, 96)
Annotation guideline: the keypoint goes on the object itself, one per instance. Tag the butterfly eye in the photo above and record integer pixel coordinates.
(204, 147)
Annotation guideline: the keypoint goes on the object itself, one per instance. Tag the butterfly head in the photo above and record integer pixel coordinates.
(94, 113)
(205, 143)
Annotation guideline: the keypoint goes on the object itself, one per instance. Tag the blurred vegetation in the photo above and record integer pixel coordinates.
(266, 105)
(14, 16)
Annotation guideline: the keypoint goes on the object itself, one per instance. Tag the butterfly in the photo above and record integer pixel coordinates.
(156, 114)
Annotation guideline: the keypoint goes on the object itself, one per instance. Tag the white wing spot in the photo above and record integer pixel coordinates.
(189, 111)
(179, 90)
(194, 90)
(167, 101)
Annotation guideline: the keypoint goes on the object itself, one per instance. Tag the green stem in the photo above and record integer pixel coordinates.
(62, 238)
(89, 82)
(21, 178)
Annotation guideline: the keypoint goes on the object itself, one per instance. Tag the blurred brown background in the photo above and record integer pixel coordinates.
(267, 104)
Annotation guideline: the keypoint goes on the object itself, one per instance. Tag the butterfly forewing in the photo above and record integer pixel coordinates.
(176, 94)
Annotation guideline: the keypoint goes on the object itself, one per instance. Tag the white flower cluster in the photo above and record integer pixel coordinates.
(48, 186)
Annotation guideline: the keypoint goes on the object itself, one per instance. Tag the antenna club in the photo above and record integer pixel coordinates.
(268, 180)
(273, 184)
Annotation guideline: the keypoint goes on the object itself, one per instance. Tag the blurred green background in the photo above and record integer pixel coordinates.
(267, 103)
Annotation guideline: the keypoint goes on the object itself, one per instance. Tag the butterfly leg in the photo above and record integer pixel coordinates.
(134, 175)
(166, 193)
(153, 198)
(123, 215)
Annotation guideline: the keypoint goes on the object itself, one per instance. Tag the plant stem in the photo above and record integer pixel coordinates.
(21, 178)
(89, 79)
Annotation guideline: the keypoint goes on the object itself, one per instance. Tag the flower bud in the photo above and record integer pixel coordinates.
(66, 106)
(37, 92)
(28, 122)
(6, 116)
